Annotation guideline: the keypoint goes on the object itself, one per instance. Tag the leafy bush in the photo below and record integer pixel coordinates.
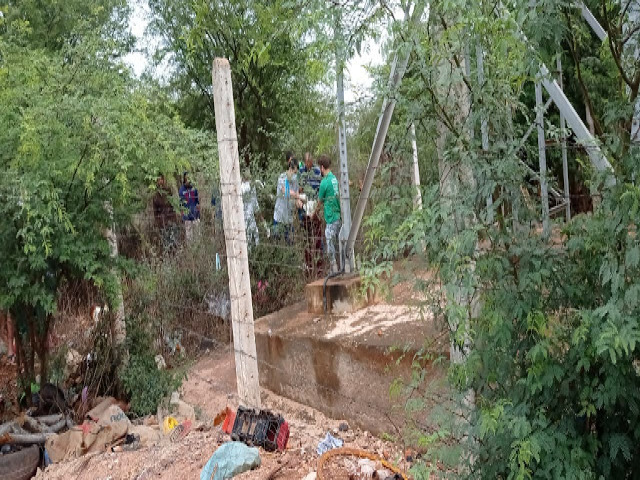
(142, 381)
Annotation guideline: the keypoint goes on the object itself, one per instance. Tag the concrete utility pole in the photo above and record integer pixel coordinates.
(236, 237)
(346, 257)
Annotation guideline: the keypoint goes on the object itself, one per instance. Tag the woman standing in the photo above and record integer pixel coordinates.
(286, 199)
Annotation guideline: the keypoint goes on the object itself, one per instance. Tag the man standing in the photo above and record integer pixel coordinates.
(191, 205)
(329, 197)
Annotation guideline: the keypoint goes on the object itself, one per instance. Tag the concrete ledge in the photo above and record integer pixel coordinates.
(343, 365)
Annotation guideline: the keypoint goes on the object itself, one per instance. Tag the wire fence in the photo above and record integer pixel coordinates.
(190, 286)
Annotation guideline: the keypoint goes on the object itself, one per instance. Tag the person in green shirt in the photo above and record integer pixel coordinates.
(329, 197)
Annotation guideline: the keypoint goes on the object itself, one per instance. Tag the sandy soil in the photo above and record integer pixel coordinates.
(210, 387)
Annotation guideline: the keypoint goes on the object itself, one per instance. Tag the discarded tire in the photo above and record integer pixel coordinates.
(20, 465)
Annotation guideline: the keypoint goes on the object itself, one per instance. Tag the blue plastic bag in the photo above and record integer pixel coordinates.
(329, 443)
(231, 459)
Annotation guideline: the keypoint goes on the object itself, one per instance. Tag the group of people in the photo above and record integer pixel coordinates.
(314, 185)
(302, 191)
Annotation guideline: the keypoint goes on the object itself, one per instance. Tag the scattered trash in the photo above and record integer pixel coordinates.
(183, 411)
(343, 427)
(160, 363)
(229, 460)
(46, 459)
(174, 344)
(130, 443)
(91, 436)
(329, 443)
(73, 360)
(148, 436)
(180, 431)
(367, 467)
(101, 405)
(219, 305)
(311, 476)
(354, 452)
(169, 424)
(226, 418)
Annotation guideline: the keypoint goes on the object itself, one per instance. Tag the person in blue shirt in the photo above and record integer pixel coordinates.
(190, 204)
(310, 176)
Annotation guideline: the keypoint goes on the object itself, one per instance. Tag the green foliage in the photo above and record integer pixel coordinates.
(145, 385)
(548, 330)
(276, 67)
(82, 142)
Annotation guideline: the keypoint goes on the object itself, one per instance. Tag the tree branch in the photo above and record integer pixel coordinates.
(583, 88)
(75, 172)
(616, 51)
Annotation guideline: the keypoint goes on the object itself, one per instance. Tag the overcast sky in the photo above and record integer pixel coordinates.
(357, 79)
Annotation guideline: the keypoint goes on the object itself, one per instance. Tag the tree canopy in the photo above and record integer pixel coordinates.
(82, 143)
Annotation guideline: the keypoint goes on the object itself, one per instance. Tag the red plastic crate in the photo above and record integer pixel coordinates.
(283, 436)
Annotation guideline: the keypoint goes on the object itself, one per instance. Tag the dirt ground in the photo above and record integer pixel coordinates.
(210, 387)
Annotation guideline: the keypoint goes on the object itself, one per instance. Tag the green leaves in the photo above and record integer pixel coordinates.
(77, 132)
(552, 328)
(277, 64)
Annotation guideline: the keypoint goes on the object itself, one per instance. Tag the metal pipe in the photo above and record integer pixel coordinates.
(593, 22)
(398, 69)
(565, 163)
(597, 157)
(417, 199)
(542, 161)
(345, 201)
